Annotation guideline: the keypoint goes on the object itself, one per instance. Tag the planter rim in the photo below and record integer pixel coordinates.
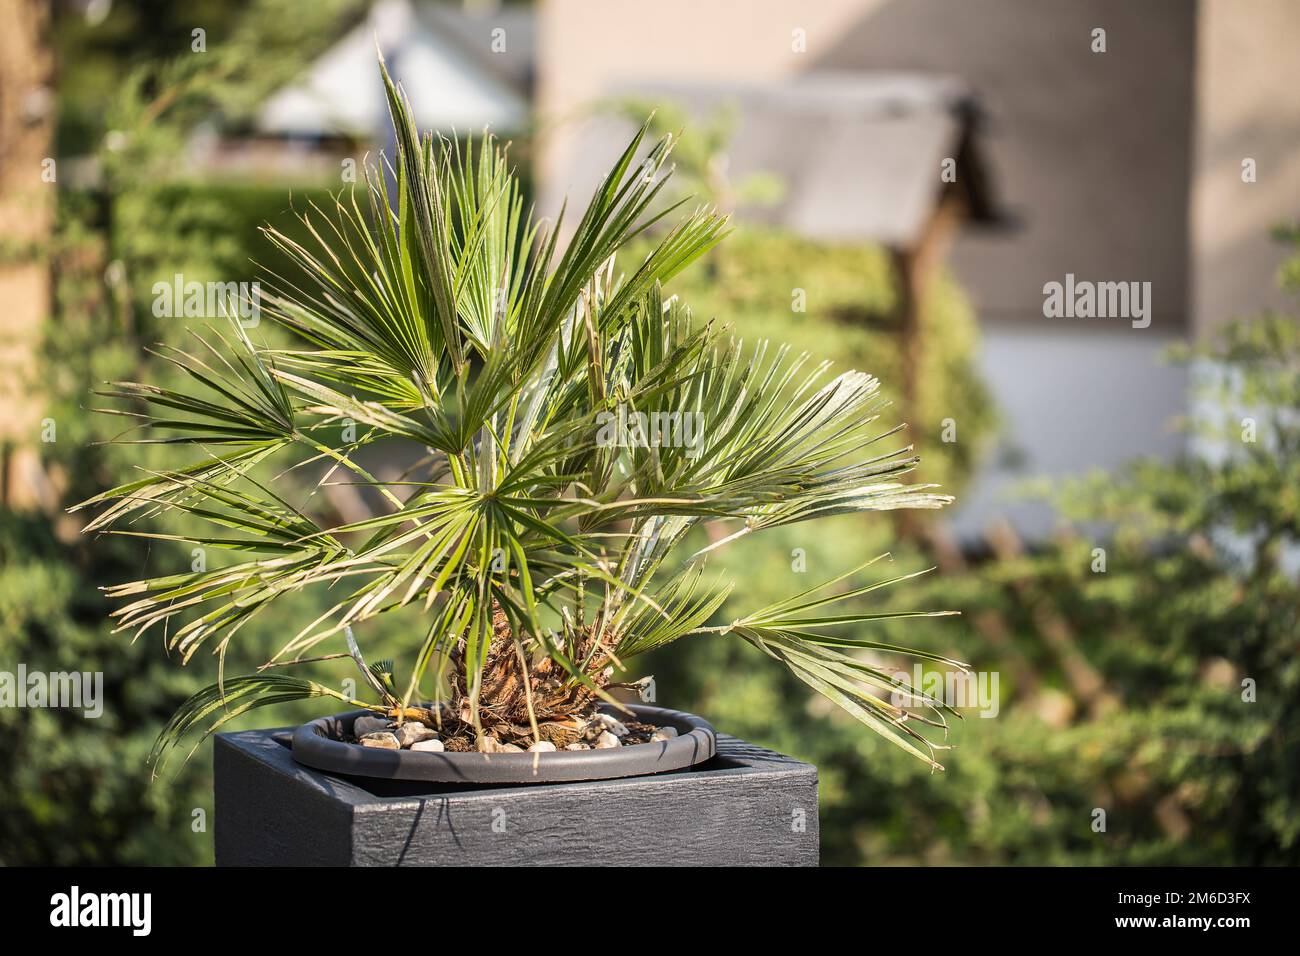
(316, 744)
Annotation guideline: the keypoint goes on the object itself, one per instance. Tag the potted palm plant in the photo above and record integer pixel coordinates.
(576, 429)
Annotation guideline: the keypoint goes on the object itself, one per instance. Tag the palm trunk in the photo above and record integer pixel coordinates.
(518, 687)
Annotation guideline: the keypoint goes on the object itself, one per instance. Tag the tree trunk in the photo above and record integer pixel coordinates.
(27, 184)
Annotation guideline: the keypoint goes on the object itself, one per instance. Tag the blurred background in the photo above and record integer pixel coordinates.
(906, 176)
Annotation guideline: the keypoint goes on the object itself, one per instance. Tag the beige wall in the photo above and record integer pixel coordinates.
(1090, 151)
(1248, 105)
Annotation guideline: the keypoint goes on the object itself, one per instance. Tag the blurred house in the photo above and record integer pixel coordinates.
(872, 178)
(464, 66)
(1120, 154)
(879, 140)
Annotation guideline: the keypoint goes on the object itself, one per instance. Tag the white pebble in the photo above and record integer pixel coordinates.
(412, 732)
(542, 747)
(606, 740)
(610, 724)
(429, 746)
(383, 740)
(664, 733)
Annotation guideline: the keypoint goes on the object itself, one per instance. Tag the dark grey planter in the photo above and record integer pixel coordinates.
(745, 806)
(317, 745)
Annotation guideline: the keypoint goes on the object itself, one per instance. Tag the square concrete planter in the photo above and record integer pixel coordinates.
(746, 806)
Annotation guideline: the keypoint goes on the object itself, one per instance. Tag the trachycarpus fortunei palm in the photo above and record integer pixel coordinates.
(539, 552)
